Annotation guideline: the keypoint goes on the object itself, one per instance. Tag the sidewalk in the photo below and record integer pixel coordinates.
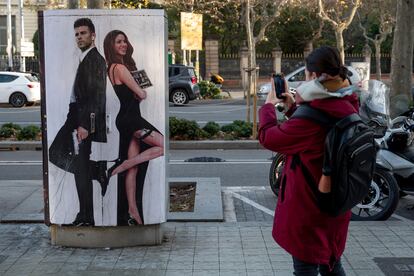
(202, 249)
(227, 248)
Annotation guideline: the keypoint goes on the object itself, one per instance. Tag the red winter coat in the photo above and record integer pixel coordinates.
(299, 226)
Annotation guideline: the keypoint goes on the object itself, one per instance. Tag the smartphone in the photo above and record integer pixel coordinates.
(279, 81)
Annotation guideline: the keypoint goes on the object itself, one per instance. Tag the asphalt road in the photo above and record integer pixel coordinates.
(240, 168)
(221, 111)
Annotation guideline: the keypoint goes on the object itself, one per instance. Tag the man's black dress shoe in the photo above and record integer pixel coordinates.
(79, 223)
(100, 175)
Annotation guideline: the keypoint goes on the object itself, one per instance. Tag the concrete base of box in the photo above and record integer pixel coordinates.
(119, 236)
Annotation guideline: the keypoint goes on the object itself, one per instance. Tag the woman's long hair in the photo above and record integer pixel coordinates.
(110, 55)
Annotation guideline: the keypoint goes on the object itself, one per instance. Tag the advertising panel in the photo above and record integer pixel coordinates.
(104, 116)
(191, 31)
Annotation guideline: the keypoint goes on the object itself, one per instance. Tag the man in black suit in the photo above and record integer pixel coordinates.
(85, 123)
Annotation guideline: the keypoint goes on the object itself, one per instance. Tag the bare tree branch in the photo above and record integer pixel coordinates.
(324, 16)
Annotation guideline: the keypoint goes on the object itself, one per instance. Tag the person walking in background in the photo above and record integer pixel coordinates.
(139, 140)
(71, 148)
(315, 240)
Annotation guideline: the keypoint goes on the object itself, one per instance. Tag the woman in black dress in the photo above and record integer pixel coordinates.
(139, 140)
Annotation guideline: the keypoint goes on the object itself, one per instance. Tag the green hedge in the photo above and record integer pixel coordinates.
(13, 131)
(182, 129)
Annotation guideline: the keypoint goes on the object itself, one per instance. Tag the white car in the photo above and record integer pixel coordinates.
(298, 76)
(18, 88)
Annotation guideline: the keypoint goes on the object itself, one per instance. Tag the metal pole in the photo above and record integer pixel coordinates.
(9, 35)
(255, 104)
(22, 59)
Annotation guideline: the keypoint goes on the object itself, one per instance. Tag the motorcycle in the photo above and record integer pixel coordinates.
(383, 196)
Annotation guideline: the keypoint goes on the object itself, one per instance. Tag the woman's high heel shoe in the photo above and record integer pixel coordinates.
(132, 221)
(104, 185)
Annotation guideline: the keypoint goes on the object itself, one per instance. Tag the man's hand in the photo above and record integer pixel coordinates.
(82, 134)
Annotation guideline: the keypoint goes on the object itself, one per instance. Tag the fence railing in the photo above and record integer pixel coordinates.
(32, 64)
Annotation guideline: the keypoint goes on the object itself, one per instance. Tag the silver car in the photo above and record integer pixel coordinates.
(297, 77)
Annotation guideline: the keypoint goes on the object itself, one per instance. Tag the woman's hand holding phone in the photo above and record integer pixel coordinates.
(287, 97)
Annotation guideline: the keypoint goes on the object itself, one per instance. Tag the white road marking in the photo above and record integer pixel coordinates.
(20, 111)
(228, 162)
(218, 122)
(172, 162)
(234, 189)
(25, 123)
(36, 163)
(207, 112)
(253, 203)
(244, 188)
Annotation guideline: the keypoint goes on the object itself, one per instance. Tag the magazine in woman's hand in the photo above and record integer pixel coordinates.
(141, 78)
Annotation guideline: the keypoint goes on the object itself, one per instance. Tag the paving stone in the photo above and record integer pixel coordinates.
(151, 272)
(180, 265)
(232, 265)
(206, 265)
(260, 272)
(154, 265)
(232, 272)
(170, 272)
(206, 273)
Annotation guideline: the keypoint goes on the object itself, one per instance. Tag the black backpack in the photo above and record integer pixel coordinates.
(349, 159)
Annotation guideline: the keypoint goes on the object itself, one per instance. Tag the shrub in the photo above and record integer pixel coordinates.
(228, 128)
(212, 128)
(13, 126)
(7, 132)
(238, 129)
(209, 90)
(28, 133)
(243, 129)
(184, 129)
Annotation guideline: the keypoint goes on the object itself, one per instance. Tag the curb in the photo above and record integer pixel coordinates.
(20, 145)
(215, 144)
(174, 145)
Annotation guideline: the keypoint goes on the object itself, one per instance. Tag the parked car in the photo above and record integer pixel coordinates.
(19, 89)
(183, 85)
(298, 76)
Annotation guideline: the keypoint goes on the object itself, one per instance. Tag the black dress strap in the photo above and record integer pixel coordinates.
(113, 73)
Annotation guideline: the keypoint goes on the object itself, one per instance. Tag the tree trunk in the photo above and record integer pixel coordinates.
(378, 59)
(402, 58)
(250, 61)
(340, 43)
(95, 4)
(73, 4)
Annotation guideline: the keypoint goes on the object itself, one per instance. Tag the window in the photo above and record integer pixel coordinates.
(3, 32)
(300, 76)
(31, 78)
(7, 78)
(173, 71)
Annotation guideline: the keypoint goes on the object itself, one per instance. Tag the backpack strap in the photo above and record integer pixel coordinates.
(350, 119)
(305, 111)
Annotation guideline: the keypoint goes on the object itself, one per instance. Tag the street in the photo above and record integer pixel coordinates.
(222, 112)
(244, 171)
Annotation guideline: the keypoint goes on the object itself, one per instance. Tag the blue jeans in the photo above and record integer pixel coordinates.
(307, 269)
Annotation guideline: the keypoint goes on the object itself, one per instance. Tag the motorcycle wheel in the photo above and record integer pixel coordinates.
(382, 198)
(275, 172)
